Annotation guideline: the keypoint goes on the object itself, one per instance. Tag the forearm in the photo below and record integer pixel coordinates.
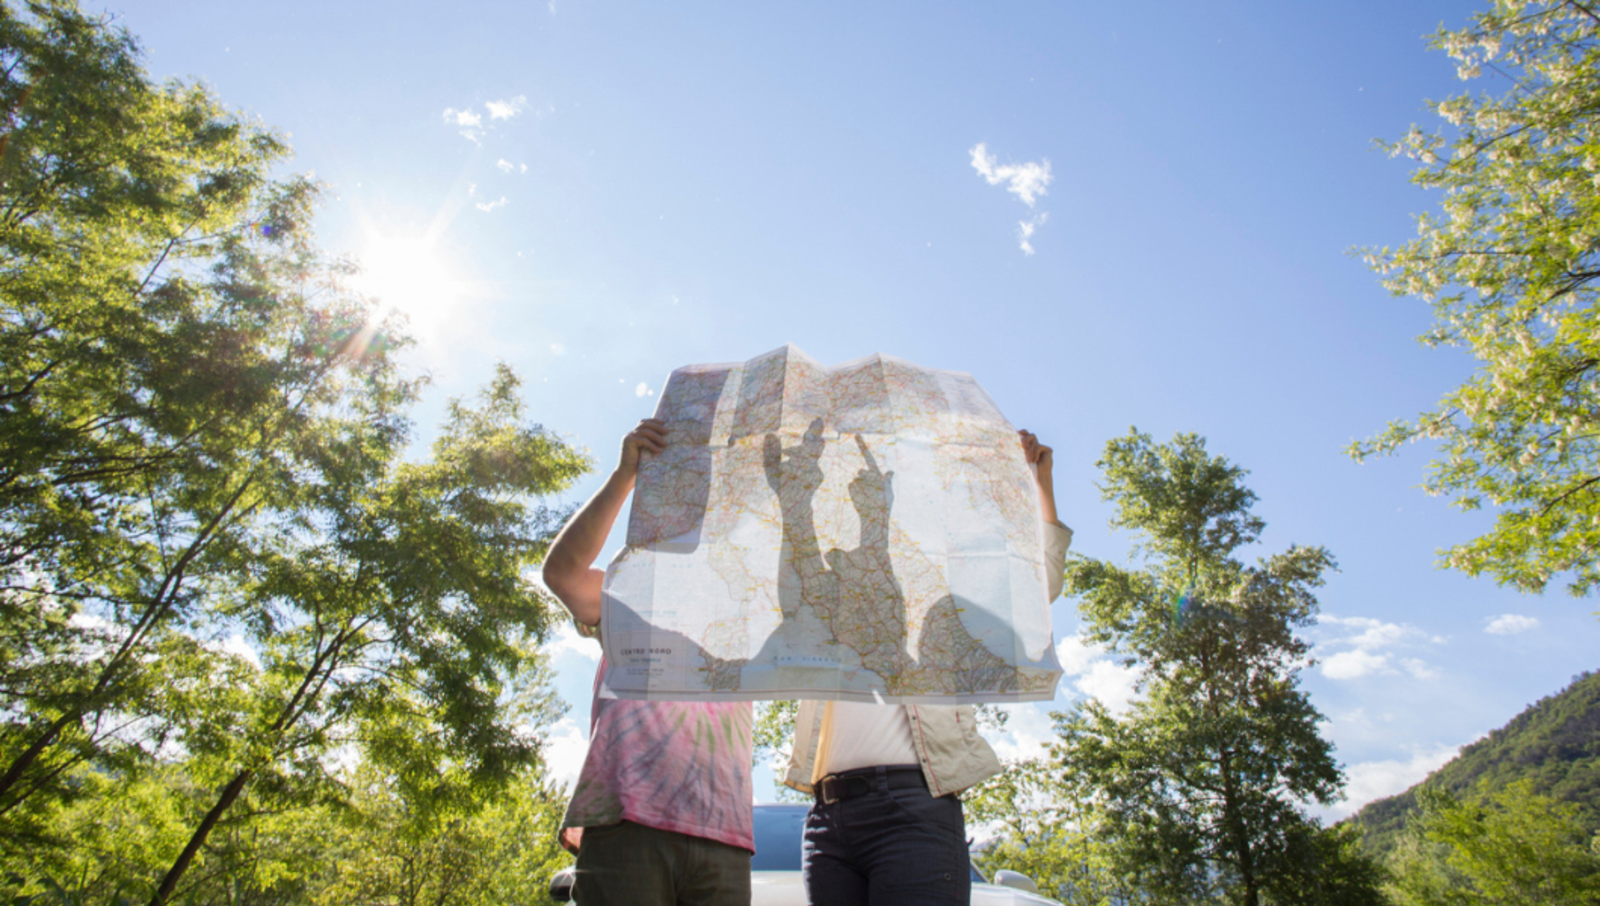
(569, 566)
(1047, 499)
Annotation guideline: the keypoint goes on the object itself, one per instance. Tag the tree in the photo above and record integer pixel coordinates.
(1199, 787)
(488, 853)
(394, 614)
(204, 435)
(1512, 846)
(160, 340)
(1038, 828)
(1509, 266)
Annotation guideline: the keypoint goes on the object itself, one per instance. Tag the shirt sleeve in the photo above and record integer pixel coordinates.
(1057, 538)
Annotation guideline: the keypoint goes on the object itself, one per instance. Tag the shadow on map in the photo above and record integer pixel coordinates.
(854, 597)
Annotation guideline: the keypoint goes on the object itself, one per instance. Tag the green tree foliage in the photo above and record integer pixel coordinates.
(1553, 745)
(1510, 847)
(203, 437)
(370, 846)
(1198, 788)
(1038, 829)
(138, 393)
(493, 852)
(1508, 266)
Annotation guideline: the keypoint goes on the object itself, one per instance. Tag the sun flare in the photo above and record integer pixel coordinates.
(410, 276)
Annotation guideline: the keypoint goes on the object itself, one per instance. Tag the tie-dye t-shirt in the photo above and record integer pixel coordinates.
(676, 766)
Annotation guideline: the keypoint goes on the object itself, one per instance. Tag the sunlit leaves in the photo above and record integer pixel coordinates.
(1509, 266)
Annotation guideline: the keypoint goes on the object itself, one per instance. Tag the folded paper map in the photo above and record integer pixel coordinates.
(868, 532)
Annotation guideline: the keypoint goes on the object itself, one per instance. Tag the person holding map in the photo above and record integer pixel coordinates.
(661, 812)
(887, 826)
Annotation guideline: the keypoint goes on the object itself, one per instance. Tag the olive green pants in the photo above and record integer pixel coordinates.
(629, 864)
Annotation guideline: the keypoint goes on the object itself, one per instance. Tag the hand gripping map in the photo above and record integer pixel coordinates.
(868, 532)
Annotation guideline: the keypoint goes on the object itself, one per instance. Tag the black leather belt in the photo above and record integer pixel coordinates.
(851, 784)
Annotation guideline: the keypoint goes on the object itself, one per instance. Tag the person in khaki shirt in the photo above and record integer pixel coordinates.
(887, 827)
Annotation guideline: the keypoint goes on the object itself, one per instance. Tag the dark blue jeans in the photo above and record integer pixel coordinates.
(887, 848)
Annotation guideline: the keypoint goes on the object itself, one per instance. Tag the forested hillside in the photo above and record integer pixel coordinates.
(1554, 744)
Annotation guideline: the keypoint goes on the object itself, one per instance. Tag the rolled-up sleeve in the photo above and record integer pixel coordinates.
(1057, 538)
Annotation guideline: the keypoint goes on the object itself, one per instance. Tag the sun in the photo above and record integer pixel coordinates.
(411, 276)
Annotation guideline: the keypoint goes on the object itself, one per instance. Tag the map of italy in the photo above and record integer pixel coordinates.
(867, 532)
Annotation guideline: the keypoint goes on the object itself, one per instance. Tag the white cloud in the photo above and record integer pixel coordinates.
(565, 747)
(1028, 729)
(1419, 668)
(643, 390)
(1076, 655)
(491, 205)
(1099, 676)
(1354, 664)
(565, 640)
(1025, 230)
(1366, 640)
(1026, 181)
(1113, 684)
(504, 166)
(558, 348)
(1510, 624)
(504, 110)
(469, 124)
(81, 620)
(1373, 633)
(238, 647)
(465, 118)
(1372, 780)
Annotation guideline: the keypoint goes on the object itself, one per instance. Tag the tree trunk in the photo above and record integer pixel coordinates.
(175, 873)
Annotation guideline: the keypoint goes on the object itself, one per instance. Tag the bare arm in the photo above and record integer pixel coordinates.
(569, 569)
(1042, 459)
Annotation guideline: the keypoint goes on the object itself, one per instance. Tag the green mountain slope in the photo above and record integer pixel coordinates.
(1555, 742)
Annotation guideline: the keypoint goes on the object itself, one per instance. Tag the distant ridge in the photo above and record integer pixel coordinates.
(1555, 742)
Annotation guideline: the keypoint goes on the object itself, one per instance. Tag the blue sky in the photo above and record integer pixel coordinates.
(599, 192)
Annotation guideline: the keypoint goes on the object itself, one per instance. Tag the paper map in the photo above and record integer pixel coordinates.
(868, 532)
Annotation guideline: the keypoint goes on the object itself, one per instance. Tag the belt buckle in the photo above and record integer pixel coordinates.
(837, 789)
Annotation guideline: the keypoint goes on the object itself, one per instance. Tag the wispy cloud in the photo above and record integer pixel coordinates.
(1511, 624)
(1025, 230)
(506, 166)
(1027, 181)
(504, 110)
(1366, 644)
(469, 124)
(500, 202)
(558, 348)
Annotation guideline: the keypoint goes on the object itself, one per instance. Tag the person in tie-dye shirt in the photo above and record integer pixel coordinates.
(661, 813)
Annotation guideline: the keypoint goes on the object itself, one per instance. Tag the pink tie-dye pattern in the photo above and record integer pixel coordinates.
(677, 766)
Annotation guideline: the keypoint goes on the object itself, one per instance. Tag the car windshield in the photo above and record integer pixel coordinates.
(778, 832)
